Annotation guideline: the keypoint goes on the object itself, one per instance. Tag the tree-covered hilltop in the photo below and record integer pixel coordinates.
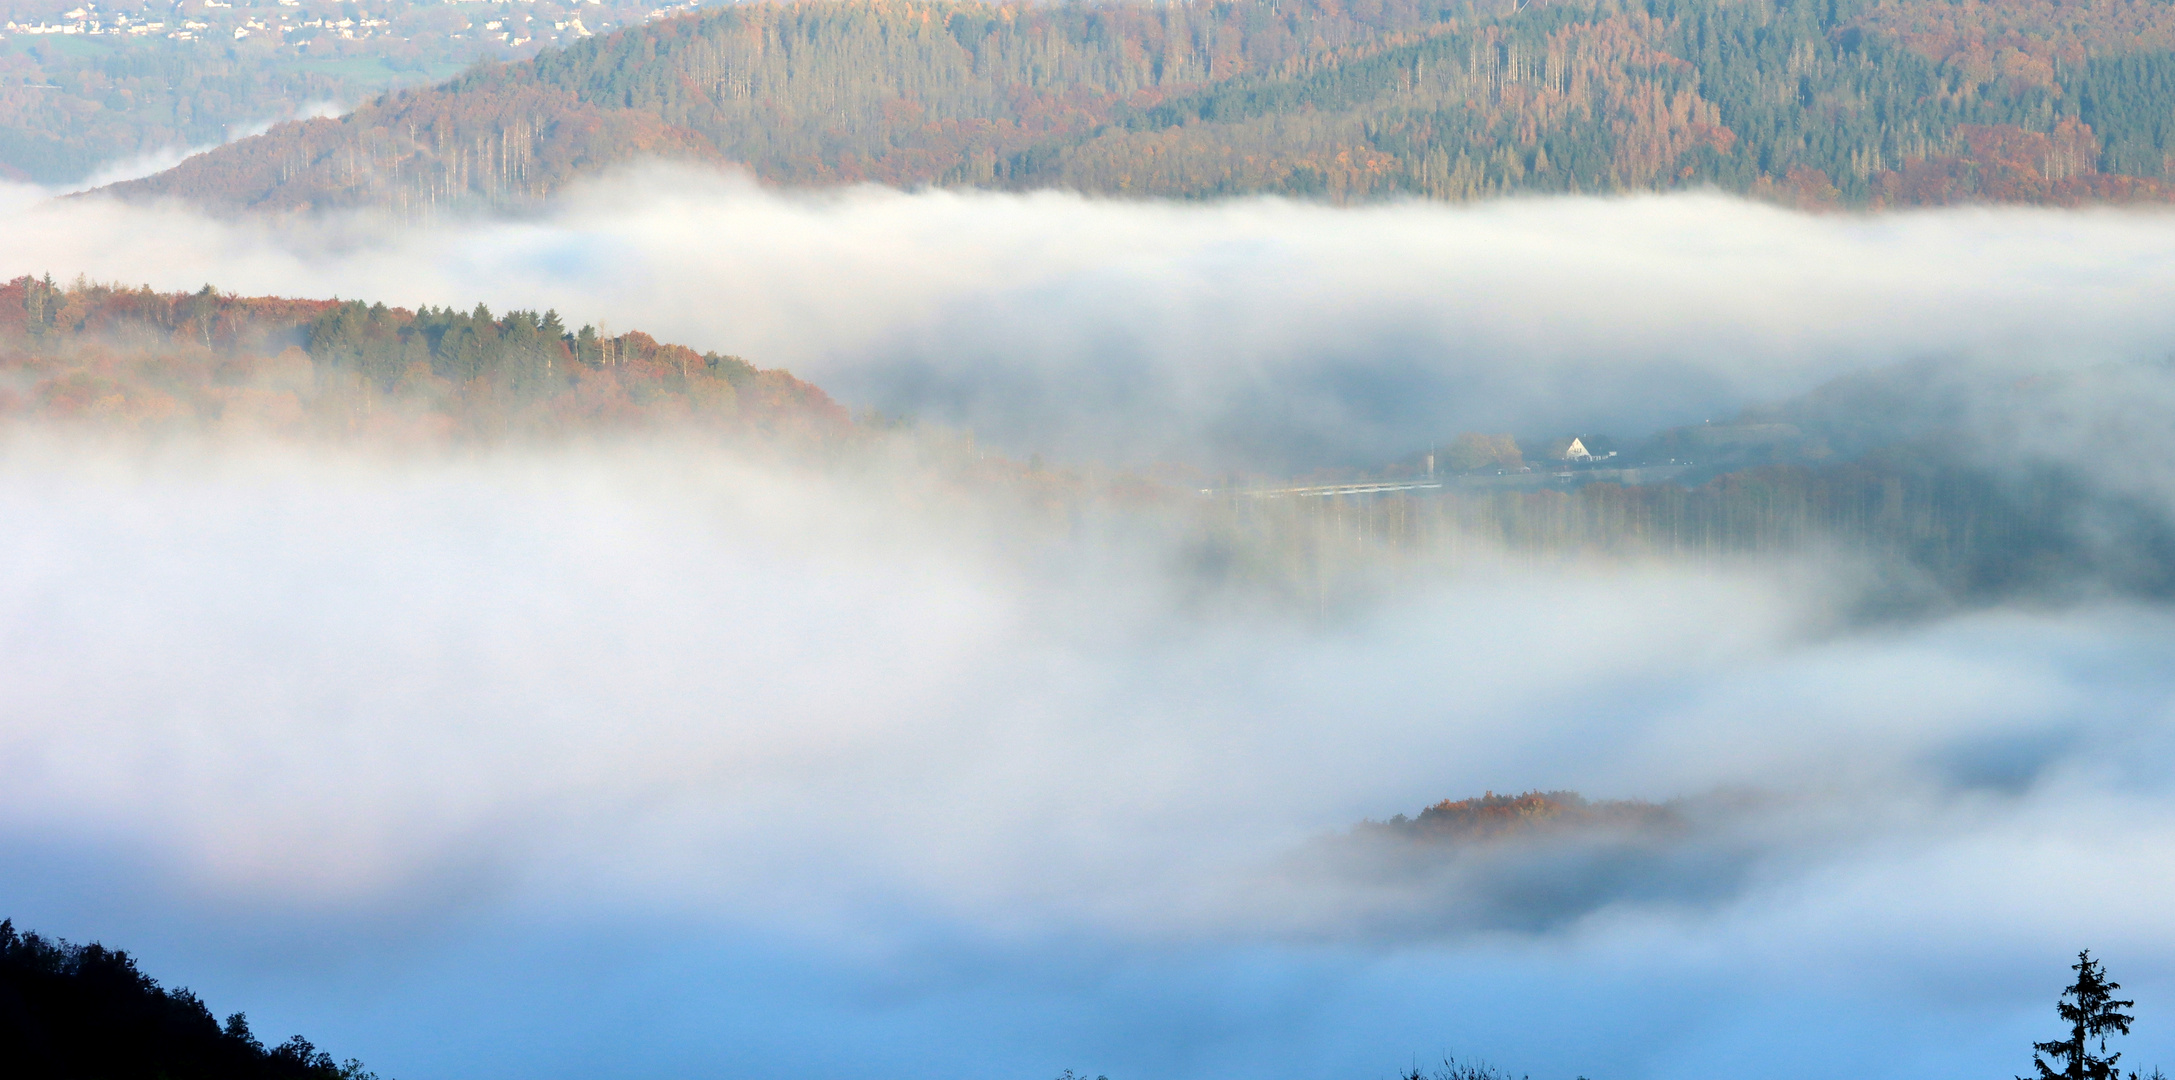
(144, 360)
(1535, 814)
(1816, 102)
(88, 1011)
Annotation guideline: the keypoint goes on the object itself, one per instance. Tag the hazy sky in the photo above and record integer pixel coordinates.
(633, 760)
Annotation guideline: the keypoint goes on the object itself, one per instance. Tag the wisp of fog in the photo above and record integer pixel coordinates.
(636, 756)
(1260, 335)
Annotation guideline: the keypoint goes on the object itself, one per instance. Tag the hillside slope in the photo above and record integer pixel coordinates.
(145, 361)
(820, 92)
(87, 1010)
(1903, 102)
(419, 151)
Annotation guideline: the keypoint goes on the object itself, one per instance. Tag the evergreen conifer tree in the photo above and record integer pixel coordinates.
(2090, 1007)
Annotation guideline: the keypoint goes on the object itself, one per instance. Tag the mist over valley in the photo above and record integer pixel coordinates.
(813, 539)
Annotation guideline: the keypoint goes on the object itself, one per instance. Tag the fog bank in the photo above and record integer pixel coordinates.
(1258, 334)
(619, 760)
(635, 757)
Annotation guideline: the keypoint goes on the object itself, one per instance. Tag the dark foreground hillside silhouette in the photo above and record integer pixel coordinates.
(86, 1011)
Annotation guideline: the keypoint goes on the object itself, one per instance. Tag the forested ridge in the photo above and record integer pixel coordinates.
(1815, 102)
(140, 360)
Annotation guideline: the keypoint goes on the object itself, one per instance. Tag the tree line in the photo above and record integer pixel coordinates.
(1815, 102)
(149, 360)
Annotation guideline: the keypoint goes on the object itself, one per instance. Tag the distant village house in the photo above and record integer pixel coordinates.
(1581, 448)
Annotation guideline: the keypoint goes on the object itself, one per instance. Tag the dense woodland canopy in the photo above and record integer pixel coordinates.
(140, 360)
(1816, 102)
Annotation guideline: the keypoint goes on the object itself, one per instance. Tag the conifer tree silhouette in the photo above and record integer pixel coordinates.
(2091, 1010)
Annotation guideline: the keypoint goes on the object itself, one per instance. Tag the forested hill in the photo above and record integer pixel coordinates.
(265, 366)
(89, 1011)
(1816, 102)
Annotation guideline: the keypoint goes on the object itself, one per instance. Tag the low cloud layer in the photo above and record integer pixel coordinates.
(639, 758)
(619, 760)
(1258, 335)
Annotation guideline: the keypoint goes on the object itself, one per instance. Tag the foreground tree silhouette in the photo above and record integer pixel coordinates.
(2090, 1007)
(87, 1011)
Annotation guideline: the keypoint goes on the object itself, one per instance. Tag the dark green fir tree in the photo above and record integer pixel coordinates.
(2090, 1008)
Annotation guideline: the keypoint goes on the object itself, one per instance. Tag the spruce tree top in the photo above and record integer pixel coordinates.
(2091, 1011)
